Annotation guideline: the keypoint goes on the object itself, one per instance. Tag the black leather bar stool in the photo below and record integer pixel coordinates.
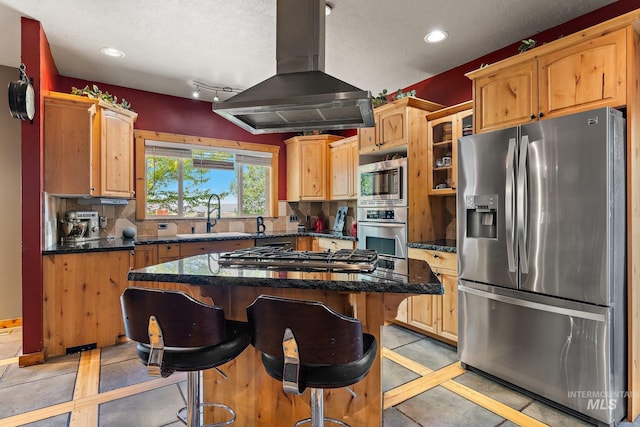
(307, 344)
(176, 332)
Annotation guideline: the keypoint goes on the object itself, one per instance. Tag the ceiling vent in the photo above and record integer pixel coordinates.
(301, 96)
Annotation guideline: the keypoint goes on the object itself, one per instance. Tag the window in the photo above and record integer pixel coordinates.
(181, 178)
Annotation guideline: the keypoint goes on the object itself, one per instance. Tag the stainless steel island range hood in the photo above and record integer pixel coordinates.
(300, 96)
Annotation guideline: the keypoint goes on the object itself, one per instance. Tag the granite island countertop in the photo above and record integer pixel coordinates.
(204, 270)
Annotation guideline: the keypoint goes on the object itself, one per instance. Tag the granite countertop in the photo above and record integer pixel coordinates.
(444, 245)
(119, 244)
(205, 270)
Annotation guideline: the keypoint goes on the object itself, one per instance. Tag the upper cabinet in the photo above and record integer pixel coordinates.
(307, 167)
(444, 128)
(343, 169)
(576, 73)
(396, 122)
(88, 147)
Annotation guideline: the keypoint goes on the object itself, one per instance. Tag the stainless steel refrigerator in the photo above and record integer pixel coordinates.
(541, 259)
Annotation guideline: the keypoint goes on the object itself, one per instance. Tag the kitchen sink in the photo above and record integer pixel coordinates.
(212, 235)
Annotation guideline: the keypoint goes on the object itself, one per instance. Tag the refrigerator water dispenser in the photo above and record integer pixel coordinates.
(482, 212)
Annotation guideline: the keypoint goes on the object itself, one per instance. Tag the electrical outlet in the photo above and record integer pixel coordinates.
(103, 221)
(162, 226)
(293, 218)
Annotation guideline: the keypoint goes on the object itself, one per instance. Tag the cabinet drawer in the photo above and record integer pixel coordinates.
(435, 259)
(334, 244)
(169, 250)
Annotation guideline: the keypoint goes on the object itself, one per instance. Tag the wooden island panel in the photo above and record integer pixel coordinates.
(259, 400)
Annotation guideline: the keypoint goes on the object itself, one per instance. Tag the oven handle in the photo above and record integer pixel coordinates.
(383, 224)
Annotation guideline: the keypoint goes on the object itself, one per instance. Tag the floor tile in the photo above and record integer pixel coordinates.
(118, 353)
(122, 374)
(59, 421)
(430, 353)
(55, 366)
(41, 393)
(552, 416)
(440, 407)
(494, 390)
(395, 375)
(394, 418)
(150, 409)
(394, 336)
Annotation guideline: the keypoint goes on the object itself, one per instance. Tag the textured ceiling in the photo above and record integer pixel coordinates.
(372, 44)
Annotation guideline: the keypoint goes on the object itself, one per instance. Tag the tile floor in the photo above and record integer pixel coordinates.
(443, 394)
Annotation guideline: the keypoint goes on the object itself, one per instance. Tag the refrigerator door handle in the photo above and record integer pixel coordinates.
(522, 206)
(510, 205)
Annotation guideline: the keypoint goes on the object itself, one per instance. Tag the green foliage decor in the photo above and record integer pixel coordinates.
(95, 93)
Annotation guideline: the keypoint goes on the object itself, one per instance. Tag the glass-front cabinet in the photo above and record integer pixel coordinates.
(444, 129)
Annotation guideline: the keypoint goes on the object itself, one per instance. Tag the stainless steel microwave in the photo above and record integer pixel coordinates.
(383, 183)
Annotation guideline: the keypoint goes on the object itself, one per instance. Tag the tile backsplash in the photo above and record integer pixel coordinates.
(121, 216)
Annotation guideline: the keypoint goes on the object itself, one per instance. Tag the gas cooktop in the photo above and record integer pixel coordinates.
(343, 260)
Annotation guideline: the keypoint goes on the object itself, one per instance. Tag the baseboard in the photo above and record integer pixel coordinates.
(31, 359)
(10, 323)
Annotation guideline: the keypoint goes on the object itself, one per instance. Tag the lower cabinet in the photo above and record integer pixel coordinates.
(328, 243)
(435, 315)
(81, 306)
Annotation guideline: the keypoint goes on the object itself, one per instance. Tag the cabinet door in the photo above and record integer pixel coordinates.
(340, 161)
(71, 151)
(448, 307)
(117, 154)
(392, 128)
(367, 138)
(588, 75)
(313, 173)
(145, 255)
(199, 248)
(441, 155)
(355, 164)
(422, 313)
(506, 98)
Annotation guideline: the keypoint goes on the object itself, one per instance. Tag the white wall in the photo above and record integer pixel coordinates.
(11, 211)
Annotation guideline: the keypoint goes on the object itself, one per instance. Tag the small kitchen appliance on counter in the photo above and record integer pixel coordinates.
(79, 226)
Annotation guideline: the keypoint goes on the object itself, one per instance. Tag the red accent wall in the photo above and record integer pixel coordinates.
(36, 55)
(452, 87)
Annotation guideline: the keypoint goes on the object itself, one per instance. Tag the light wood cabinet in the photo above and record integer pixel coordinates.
(444, 129)
(304, 243)
(343, 167)
(395, 124)
(88, 147)
(435, 315)
(308, 166)
(199, 248)
(577, 73)
(81, 300)
(328, 243)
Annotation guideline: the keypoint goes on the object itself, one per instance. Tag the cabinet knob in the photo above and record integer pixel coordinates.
(533, 116)
(436, 256)
(541, 114)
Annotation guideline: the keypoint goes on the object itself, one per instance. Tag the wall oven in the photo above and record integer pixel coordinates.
(383, 183)
(385, 231)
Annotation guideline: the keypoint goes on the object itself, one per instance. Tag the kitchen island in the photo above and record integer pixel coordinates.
(258, 399)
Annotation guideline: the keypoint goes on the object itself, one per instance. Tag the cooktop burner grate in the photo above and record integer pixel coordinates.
(343, 260)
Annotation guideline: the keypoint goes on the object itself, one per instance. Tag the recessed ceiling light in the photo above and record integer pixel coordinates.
(435, 36)
(112, 51)
(328, 7)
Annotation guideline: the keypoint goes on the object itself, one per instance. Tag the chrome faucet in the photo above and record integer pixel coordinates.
(211, 224)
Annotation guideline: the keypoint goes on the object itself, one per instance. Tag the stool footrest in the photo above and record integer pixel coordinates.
(182, 415)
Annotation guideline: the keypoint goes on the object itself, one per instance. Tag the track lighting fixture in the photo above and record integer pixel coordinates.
(215, 89)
